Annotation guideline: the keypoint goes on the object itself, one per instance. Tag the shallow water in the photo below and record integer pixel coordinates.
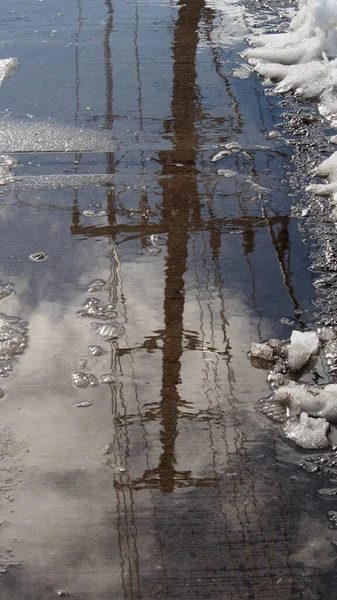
(162, 481)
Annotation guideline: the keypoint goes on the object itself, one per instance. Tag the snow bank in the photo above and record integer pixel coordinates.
(305, 59)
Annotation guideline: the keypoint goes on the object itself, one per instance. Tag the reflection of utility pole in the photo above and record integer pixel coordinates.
(180, 198)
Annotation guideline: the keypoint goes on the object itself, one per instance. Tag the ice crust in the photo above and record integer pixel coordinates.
(47, 136)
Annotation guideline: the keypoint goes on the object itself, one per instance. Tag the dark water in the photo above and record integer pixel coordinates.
(169, 485)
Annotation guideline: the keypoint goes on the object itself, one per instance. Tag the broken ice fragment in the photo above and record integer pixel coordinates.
(38, 256)
(83, 404)
(302, 347)
(317, 402)
(309, 433)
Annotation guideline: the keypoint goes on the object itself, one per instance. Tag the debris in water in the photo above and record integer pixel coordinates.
(107, 449)
(302, 346)
(62, 593)
(6, 290)
(220, 155)
(38, 256)
(108, 331)
(308, 433)
(108, 378)
(83, 404)
(96, 350)
(93, 213)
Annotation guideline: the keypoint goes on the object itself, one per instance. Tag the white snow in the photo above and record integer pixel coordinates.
(308, 433)
(302, 346)
(317, 402)
(304, 59)
(48, 136)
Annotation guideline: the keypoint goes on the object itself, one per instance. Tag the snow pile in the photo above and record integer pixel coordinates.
(310, 434)
(7, 66)
(297, 398)
(306, 412)
(303, 60)
(328, 169)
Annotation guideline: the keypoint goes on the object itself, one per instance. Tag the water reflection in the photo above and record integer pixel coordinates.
(198, 505)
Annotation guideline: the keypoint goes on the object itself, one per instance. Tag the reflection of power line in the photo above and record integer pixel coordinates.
(108, 67)
(77, 67)
(279, 234)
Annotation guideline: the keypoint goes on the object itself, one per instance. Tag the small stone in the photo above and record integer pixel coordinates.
(107, 449)
(262, 352)
(38, 256)
(326, 334)
(278, 346)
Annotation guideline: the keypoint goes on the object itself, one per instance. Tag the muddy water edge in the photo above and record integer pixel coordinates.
(163, 481)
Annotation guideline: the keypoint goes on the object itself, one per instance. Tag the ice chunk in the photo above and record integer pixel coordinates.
(301, 348)
(317, 402)
(7, 66)
(262, 352)
(308, 433)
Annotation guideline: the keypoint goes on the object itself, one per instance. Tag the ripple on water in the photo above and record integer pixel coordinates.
(80, 361)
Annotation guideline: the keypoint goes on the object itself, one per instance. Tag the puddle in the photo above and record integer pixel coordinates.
(164, 266)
